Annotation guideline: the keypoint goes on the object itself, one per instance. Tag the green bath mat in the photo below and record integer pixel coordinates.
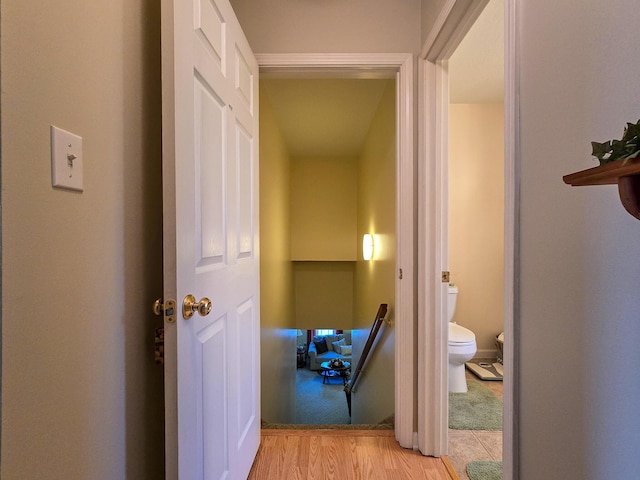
(478, 409)
(484, 470)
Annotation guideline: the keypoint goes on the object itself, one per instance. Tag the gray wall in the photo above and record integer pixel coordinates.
(330, 26)
(80, 393)
(81, 396)
(428, 15)
(580, 322)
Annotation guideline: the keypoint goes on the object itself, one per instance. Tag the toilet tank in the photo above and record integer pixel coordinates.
(453, 295)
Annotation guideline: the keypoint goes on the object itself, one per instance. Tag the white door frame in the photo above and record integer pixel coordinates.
(368, 66)
(452, 24)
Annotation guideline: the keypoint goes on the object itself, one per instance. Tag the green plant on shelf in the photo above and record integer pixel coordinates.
(626, 148)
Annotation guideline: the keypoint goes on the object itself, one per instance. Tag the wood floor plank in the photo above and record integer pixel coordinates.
(327, 433)
(449, 466)
(364, 462)
(293, 453)
(340, 454)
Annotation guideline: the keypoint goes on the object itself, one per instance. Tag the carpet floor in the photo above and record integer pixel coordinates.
(478, 409)
(484, 470)
(318, 403)
(323, 406)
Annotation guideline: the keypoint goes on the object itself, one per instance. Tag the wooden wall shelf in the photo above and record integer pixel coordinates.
(624, 173)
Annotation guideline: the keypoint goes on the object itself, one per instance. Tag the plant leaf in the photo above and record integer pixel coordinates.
(600, 149)
(628, 147)
(632, 131)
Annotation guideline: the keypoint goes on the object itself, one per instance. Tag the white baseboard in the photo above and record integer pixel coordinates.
(485, 354)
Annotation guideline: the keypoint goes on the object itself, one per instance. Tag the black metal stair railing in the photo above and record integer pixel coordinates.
(377, 323)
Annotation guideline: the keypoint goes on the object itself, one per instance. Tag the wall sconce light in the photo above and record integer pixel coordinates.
(367, 246)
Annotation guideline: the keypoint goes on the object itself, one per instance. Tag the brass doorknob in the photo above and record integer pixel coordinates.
(191, 306)
(158, 307)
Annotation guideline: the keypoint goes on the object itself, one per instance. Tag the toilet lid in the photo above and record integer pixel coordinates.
(459, 334)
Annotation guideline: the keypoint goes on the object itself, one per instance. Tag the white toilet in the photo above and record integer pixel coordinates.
(462, 347)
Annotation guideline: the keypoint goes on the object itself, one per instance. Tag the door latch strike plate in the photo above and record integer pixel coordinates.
(445, 277)
(166, 309)
(170, 311)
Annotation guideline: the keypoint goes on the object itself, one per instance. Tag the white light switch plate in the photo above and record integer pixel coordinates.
(66, 159)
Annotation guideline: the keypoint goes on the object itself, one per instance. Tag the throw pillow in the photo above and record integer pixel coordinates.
(331, 338)
(321, 346)
(337, 345)
(345, 350)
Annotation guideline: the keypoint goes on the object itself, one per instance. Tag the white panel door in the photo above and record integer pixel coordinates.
(210, 177)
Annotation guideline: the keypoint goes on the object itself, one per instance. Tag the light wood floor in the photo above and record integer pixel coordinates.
(342, 454)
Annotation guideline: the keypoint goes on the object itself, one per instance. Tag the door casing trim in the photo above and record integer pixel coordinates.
(400, 66)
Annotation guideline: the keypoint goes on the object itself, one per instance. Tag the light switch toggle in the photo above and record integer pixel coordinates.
(70, 158)
(66, 159)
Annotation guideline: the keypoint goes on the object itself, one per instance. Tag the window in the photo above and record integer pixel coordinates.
(325, 332)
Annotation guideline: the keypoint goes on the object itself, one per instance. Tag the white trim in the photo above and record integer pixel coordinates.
(432, 253)
(510, 455)
(405, 257)
(361, 65)
(335, 64)
(453, 23)
(485, 353)
(455, 19)
(169, 266)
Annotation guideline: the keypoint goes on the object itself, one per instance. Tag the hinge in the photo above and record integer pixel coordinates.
(400, 273)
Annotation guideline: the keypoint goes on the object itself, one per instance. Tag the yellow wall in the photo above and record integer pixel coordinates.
(276, 274)
(81, 396)
(324, 295)
(324, 209)
(476, 219)
(375, 280)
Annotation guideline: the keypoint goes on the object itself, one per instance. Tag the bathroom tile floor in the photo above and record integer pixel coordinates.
(469, 445)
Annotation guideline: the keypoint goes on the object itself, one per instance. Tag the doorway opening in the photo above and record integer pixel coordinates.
(334, 140)
(476, 204)
(454, 22)
(323, 272)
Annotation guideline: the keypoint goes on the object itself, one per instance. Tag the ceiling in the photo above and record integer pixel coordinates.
(331, 117)
(476, 68)
(324, 117)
